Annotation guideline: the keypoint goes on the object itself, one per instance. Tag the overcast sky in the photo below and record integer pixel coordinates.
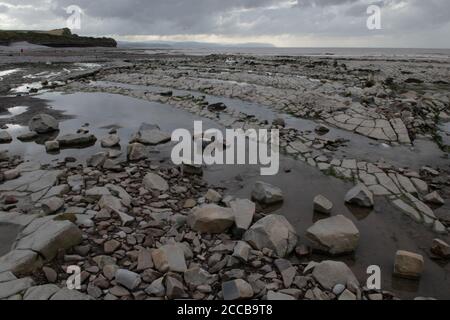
(294, 23)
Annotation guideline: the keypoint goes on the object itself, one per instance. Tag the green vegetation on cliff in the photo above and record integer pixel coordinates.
(54, 38)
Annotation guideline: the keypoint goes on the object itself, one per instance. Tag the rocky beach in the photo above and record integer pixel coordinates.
(86, 177)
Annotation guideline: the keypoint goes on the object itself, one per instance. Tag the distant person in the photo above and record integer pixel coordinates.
(21, 51)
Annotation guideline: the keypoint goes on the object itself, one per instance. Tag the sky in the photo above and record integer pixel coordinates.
(283, 23)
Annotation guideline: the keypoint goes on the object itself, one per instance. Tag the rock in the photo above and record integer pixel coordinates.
(287, 271)
(331, 273)
(322, 205)
(70, 295)
(50, 274)
(241, 251)
(267, 194)
(97, 160)
(408, 265)
(321, 129)
(360, 196)
(273, 232)
(41, 293)
(150, 135)
(211, 219)
(52, 146)
(28, 136)
(237, 290)
(347, 295)
(335, 235)
(136, 152)
(434, 198)
(110, 141)
(11, 174)
(217, 107)
(174, 289)
(192, 169)
(197, 276)
(243, 211)
(273, 296)
(169, 258)
(111, 246)
(441, 249)
(145, 260)
(76, 182)
(338, 289)
(76, 140)
(5, 137)
(10, 288)
(52, 205)
(157, 288)
(155, 182)
(20, 261)
(279, 122)
(43, 123)
(128, 279)
(213, 196)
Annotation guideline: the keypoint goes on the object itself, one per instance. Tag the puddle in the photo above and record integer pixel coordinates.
(383, 230)
(424, 152)
(14, 111)
(8, 234)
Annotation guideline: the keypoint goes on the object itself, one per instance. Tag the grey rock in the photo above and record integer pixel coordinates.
(272, 295)
(97, 160)
(408, 265)
(39, 293)
(156, 288)
(128, 279)
(136, 151)
(43, 123)
(441, 248)
(5, 137)
(174, 288)
(243, 211)
(335, 235)
(267, 194)
(322, 205)
(150, 135)
(51, 146)
(52, 205)
(197, 276)
(211, 219)
(360, 196)
(10, 288)
(110, 141)
(237, 290)
(153, 181)
(272, 232)
(434, 198)
(70, 295)
(241, 251)
(331, 273)
(169, 258)
(76, 140)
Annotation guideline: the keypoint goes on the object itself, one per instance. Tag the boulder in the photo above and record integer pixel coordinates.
(41, 293)
(136, 152)
(272, 232)
(331, 273)
(361, 196)
(441, 249)
(52, 205)
(5, 137)
(76, 140)
(52, 146)
(265, 193)
(408, 265)
(243, 211)
(322, 205)
(153, 181)
(97, 160)
(335, 235)
(10, 288)
(213, 196)
(237, 290)
(43, 123)
(434, 198)
(110, 141)
(211, 219)
(150, 135)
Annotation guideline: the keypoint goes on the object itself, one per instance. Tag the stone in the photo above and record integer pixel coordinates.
(150, 135)
(241, 250)
(321, 129)
(347, 295)
(322, 205)
(11, 174)
(97, 160)
(110, 141)
(52, 146)
(28, 136)
(10, 288)
(76, 140)
(279, 122)
(287, 271)
(5, 137)
(243, 211)
(197, 276)
(360, 196)
(51, 237)
(155, 182)
(20, 261)
(273, 232)
(237, 290)
(434, 198)
(156, 288)
(213, 196)
(174, 288)
(128, 279)
(169, 258)
(66, 294)
(338, 289)
(43, 123)
(331, 273)
(7, 276)
(41, 293)
(272, 295)
(211, 219)
(336, 235)
(52, 205)
(136, 151)
(145, 260)
(408, 265)
(111, 246)
(441, 249)
(50, 274)
(267, 194)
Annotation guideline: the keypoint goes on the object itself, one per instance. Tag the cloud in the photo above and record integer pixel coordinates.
(409, 23)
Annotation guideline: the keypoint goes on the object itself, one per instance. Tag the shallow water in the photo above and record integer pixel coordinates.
(14, 111)
(383, 230)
